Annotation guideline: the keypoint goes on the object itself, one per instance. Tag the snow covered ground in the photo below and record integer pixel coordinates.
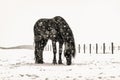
(18, 64)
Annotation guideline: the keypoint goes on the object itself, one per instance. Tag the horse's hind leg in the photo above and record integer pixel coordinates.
(54, 52)
(60, 52)
(39, 46)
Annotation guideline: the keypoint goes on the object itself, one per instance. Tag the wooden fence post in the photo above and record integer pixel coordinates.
(79, 48)
(84, 48)
(112, 45)
(96, 48)
(104, 48)
(90, 48)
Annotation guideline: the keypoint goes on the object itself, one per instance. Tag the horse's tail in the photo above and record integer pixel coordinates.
(74, 50)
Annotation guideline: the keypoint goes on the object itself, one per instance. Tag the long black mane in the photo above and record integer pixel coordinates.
(67, 34)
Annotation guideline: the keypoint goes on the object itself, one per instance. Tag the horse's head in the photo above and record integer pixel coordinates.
(69, 52)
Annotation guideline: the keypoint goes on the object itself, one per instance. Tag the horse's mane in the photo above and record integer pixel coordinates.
(71, 47)
(60, 20)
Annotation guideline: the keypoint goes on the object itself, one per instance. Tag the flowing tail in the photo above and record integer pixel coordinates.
(74, 50)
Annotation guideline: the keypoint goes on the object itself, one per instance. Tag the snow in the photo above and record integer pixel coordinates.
(18, 64)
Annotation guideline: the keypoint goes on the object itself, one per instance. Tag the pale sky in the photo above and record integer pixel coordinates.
(90, 20)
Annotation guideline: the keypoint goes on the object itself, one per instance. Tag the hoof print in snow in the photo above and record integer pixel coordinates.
(46, 78)
(67, 76)
(79, 76)
(21, 75)
(75, 79)
(112, 76)
(99, 77)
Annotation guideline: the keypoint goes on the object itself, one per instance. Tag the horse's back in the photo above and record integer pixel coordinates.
(47, 28)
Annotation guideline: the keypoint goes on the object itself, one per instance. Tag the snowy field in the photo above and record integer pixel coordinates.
(18, 64)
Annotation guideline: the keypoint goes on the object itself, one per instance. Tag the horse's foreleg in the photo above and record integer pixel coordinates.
(54, 52)
(38, 53)
(60, 53)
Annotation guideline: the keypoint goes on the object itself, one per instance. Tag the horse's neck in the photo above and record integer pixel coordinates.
(70, 45)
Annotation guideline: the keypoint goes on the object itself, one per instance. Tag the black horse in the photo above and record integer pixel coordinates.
(57, 30)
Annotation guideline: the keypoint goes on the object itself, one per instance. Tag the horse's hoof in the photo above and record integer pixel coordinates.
(60, 62)
(54, 62)
(39, 62)
(69, 63)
